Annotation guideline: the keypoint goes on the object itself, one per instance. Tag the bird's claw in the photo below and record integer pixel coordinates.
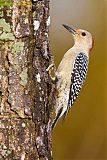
(51, 67)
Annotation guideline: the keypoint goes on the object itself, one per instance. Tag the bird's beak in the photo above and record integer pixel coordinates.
(70, 29)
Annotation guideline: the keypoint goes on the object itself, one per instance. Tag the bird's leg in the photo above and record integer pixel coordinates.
(51, 66)
(49, 69)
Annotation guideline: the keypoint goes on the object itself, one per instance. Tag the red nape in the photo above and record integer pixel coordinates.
(92, 43)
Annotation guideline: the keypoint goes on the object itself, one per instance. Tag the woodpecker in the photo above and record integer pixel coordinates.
(72, 71)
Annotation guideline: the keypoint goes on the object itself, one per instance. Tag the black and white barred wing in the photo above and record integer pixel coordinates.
(78, 77)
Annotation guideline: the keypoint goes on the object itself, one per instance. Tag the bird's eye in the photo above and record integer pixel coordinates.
(83, 34)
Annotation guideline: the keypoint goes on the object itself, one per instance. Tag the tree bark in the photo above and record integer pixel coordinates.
(25, 86)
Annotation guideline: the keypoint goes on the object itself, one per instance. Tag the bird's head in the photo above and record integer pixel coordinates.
(83, 39)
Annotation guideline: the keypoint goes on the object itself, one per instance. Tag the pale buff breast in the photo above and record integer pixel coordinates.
(66, 66)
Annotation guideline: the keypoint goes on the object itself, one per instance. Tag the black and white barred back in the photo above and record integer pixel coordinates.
(78, 77)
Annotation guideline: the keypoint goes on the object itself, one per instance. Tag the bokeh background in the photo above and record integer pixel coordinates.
(83, 135)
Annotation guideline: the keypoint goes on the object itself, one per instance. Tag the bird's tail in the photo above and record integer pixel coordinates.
(65, 114)
(56, 118)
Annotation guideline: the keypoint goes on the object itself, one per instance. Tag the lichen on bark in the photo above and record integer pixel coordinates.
(25, 85)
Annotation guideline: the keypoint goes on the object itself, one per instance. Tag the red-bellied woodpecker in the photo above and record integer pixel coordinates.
(71, 72)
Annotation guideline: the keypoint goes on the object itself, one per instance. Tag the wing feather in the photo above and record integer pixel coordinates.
(78, 77)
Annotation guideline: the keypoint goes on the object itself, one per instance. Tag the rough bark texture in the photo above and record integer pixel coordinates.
(25, 86)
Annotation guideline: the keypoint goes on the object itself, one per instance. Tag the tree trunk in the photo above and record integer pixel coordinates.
(25, 86)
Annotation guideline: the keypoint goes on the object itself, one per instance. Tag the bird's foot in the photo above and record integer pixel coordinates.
(51, 68)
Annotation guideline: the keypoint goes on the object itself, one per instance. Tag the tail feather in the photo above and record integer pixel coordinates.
(65, 114)
(56, 118)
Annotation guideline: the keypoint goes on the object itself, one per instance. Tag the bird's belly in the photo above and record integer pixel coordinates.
(62, 99)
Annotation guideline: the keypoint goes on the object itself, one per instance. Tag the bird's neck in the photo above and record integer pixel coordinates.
(80, 48)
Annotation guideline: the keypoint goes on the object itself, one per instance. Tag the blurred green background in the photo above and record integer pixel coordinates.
(83, 134)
